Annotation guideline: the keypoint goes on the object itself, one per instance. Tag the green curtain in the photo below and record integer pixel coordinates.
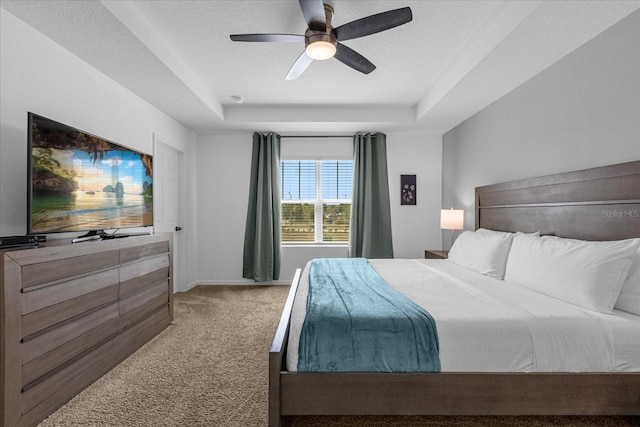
(370, 235)
(261, 258)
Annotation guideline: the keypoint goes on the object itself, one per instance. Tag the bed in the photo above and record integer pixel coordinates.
(598, 204)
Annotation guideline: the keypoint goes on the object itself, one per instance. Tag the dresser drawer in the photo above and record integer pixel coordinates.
(143, 273)
(67, 331)
(44, 272)
(138, 305)
(142, 251)
(52, 360)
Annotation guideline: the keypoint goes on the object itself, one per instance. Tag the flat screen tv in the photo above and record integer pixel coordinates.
(79, 182)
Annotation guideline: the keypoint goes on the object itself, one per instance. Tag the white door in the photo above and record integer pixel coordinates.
(166, 201)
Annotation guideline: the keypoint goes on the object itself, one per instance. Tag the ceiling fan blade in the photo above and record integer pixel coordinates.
(353, 59)
(301, 64)
(286, 38)
(374, 24)
(313, 11)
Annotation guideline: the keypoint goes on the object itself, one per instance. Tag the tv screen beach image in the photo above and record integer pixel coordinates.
(81, 182)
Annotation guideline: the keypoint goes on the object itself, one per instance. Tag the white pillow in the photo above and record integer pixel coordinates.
(629, 299)
(487, 230)
(587, 274)
(483, 252)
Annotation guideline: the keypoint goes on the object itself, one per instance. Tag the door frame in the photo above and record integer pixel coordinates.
(179, 269)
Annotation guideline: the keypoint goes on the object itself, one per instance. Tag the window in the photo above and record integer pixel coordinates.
(316, 200)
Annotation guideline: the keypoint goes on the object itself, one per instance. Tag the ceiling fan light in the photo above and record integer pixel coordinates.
(321, 50)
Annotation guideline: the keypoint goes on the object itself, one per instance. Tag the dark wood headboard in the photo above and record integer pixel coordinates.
(601, 203)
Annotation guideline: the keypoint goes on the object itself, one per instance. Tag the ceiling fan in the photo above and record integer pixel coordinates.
(322, 40)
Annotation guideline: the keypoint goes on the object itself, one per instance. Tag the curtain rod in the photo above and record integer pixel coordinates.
(316, 136)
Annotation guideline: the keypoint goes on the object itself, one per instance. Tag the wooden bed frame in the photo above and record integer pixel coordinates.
(594, 204)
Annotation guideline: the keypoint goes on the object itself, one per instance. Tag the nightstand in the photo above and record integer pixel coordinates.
(431, 254)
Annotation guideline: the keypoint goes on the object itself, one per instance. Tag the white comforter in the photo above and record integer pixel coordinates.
(490, 325)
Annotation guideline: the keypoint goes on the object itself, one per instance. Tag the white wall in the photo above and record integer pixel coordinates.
(415, 228)
(38, 75)
(582, 112)
(223, 171)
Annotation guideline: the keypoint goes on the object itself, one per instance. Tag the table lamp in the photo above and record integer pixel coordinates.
(452, 219)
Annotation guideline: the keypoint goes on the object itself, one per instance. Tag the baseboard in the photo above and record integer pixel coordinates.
(241, 282)
(190, 286)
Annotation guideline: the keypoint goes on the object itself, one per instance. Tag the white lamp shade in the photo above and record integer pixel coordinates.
(452, 219)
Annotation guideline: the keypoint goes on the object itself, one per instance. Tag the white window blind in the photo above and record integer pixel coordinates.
(316, 200)
(337, 177)
(298, 180)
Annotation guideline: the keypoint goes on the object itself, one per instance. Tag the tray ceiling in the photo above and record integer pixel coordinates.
(452, 60)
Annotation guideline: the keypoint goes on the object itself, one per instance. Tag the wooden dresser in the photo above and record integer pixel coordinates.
(70, 313)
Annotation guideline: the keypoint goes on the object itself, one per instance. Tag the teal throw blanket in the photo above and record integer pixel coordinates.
(356, 322)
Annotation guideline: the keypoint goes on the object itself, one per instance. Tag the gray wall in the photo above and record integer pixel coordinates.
(582, 112)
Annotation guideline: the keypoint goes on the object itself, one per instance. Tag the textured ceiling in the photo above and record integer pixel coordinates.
(453, 59)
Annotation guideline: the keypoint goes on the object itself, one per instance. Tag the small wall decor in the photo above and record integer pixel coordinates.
(407, 189)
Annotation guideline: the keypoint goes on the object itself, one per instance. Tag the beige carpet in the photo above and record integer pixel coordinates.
(209, 368)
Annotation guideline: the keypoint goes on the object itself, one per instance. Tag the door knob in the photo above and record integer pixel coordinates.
(178, 228)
